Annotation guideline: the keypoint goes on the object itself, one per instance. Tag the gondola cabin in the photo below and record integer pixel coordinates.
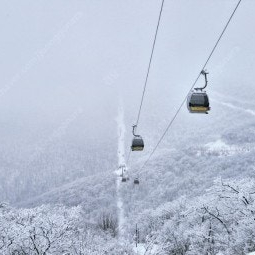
(137, 144)
(198, 102)
(136, 181)
(124, 179)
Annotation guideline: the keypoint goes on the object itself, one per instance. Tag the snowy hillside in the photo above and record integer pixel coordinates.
(76, 76)
(211, 176)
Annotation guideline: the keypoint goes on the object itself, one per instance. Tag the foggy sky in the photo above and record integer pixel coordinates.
(59, 57)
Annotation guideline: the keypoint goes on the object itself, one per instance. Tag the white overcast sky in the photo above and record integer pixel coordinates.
(103, 53)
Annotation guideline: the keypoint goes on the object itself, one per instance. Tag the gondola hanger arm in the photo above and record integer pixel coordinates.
(134, 129)
(204, 72)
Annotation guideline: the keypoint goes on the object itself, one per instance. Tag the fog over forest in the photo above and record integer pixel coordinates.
(72, 79)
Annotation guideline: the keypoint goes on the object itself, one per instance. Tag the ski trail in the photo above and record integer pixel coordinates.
(231, 98)
(229, 105)
(121, 161)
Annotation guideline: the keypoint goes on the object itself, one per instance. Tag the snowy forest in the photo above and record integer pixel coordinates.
(76, 76)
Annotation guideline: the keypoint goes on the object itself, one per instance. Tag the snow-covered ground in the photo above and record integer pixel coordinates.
(234, 107)
(118, 172)
(139, 249)
(224, 149)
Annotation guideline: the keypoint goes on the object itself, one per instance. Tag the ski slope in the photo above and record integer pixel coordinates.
(118, 172)
(234, 107)
(140, 249)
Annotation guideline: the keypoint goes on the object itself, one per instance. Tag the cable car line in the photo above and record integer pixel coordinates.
(183, 102)
(137, 142)
(149, 66)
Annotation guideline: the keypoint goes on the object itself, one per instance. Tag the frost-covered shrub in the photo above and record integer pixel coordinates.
(221, 220)
(53, 230)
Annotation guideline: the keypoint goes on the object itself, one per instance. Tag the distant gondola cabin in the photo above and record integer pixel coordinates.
(198, 102)
(136, 181)
(137, 144)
